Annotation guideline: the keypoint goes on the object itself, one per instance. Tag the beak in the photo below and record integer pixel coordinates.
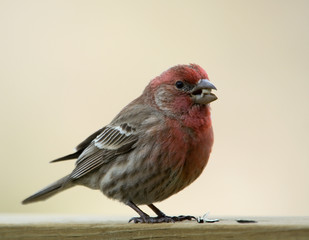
(201, 93)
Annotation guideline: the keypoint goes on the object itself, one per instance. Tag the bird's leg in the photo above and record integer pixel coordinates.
(156, 210)
(144, 217)
(163, 218)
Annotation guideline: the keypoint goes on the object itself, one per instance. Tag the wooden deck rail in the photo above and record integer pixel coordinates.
(46, 227)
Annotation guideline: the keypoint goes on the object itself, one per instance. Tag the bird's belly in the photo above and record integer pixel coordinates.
(144, 185)
(139, 189)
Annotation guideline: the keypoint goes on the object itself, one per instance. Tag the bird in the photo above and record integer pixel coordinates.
(156, 146)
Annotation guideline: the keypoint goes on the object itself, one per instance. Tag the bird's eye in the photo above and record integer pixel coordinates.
(179, 84)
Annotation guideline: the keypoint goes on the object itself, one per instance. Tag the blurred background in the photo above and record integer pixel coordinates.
(68, 67)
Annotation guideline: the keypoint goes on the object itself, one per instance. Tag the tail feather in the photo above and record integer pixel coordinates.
(68, 157)
(49, 191)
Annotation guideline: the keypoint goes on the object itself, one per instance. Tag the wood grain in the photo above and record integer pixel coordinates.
(46, 227)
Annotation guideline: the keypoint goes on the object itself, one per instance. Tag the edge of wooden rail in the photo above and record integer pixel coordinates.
(53, 227)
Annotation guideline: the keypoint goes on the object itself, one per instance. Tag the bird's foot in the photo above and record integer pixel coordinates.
(183, 218)
(161, 219)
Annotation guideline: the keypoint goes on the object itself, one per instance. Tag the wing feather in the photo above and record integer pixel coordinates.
(87, 166)
(84, 144)
(109, 143)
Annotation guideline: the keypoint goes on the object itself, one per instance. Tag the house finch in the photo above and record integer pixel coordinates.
(156, 146)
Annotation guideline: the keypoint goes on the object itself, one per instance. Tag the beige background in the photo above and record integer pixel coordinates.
(68, 67)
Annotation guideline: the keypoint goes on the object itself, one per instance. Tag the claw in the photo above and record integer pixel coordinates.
(136, 220)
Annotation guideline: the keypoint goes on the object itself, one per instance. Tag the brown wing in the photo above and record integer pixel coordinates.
(112, 141)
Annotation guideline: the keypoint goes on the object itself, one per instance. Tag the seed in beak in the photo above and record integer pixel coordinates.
(206, 91)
